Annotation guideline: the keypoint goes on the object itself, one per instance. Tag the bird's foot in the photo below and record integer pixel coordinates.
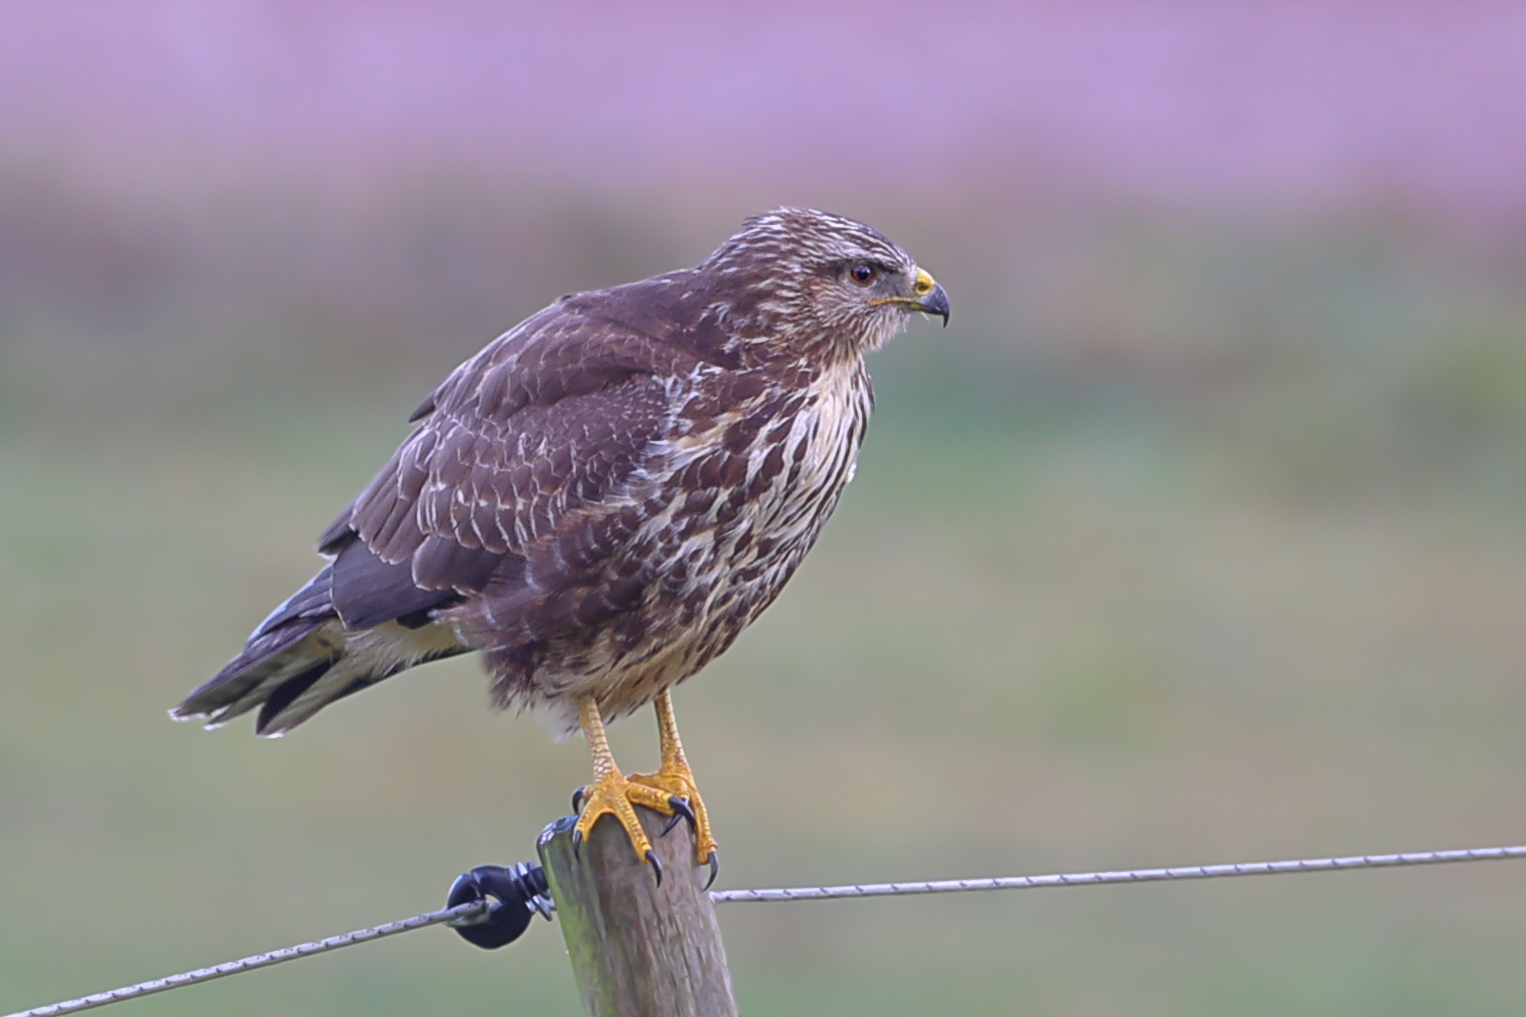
(616, 796)
(676, 782)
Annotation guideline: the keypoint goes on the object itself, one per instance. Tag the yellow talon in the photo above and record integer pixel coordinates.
(612, 793)
(675, 779)
(615, 796)
(679, 783)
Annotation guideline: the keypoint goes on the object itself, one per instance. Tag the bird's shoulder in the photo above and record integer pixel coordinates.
(668, 326)
(548, 424)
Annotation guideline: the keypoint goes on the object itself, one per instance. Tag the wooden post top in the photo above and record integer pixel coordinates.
(637, 949)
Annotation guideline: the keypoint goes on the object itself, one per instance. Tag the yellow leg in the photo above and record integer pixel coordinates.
(675, 779)
(610, 793)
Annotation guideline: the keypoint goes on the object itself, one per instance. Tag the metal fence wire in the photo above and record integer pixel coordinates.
(465, 913)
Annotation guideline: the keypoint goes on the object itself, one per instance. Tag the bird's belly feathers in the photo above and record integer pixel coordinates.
(718, 553)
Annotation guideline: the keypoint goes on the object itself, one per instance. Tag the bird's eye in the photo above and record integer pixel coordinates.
(862, 274)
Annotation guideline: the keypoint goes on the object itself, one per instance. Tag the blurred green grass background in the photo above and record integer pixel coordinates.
(1192, 539)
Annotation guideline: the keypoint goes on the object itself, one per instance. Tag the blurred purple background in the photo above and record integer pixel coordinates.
(1193, 101)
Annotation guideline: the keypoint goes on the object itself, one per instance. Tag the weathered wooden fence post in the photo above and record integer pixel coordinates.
(637, 949)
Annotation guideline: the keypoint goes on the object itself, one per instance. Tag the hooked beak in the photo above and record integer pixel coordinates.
(930, 297)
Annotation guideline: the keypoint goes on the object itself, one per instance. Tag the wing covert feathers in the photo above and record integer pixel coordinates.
(541, 433)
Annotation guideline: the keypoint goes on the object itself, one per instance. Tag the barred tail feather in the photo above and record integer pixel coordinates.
(285, 654)
(301, 658)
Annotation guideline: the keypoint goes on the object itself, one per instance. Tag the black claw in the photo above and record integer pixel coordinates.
(681, 810)
(577, 799)
(715, 869)
(651, 859)
(577, 842)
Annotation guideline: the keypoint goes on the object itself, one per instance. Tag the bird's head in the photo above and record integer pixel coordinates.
(836, 276)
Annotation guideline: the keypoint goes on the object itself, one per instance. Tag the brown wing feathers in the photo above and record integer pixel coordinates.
(534, 438)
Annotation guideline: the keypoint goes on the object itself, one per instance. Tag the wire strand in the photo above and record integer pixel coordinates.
(466, 912)
(461, 912)
(1123, 876)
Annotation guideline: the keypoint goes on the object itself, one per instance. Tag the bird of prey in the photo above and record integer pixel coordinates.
(602, 499)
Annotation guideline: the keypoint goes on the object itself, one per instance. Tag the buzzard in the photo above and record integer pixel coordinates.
(602, 499)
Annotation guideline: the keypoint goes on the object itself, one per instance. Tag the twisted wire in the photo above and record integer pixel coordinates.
(465, 913)
(460, 913)
(1122, 876)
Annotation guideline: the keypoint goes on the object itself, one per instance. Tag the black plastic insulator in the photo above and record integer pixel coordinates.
(520, 891)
